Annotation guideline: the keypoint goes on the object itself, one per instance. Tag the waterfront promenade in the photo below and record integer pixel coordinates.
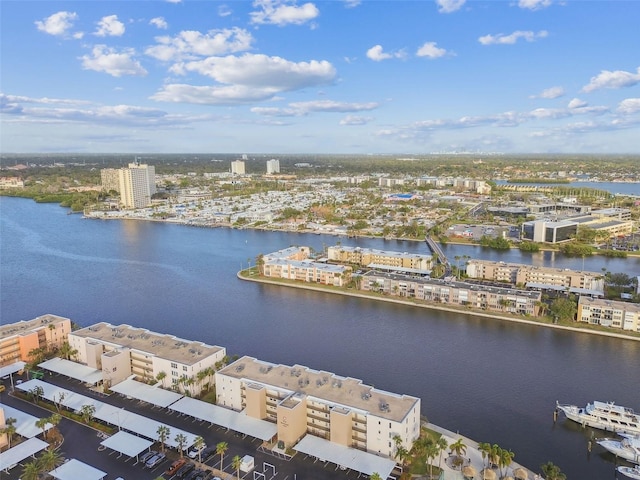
(494, 316)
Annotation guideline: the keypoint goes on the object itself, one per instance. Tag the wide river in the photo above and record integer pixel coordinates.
(493, 381)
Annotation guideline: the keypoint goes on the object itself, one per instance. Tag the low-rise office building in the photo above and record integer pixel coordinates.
(18, 339)
(609, 313)
(302, 401)
(121, 351)
(496, 299)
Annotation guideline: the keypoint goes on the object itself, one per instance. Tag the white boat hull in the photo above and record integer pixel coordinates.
(630, 472)
(584, 418)
(628, 449)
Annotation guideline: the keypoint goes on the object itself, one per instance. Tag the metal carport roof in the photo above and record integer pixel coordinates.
(236, 421)
(142, 391)
(75, 469)
(25, 423)
(11, 369)
(73, 370)
(352, 458)
(15, 455)
(130, 445)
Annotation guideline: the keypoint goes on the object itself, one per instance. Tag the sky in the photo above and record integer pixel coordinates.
(330, 77)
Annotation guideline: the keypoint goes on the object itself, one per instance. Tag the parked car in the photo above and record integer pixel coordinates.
(155, 460)
(147, 455)
(175, 466)
(207, 452)
(185, 470)
(194, 451)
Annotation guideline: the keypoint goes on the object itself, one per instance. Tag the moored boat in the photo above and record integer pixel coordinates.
(603, 415)
(631, 472)
(627, 447)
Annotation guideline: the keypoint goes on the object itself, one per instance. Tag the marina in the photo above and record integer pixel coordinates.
(604, 416)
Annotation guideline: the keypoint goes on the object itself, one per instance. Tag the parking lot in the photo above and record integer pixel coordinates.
(84, 444)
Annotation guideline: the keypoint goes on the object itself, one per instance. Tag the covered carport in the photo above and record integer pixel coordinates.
(75, 470)
(10, 370)
(25, 423)
(147, 393)
(15, 455)
(88, 375)
(345, 457)
(127, 444)
(236, 421)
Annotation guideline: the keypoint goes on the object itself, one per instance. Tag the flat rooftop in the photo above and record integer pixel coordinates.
(610, 304)
(342, 391)
(186, 352)
(533, 268)
(25, 326)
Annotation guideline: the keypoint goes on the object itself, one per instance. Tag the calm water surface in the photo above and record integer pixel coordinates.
(493, 381)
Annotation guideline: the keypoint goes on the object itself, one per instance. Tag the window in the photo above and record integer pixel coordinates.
(184, 368)
(174, 365)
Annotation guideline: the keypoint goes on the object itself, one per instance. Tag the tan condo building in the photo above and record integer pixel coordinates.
(292, 264)
(609, 313)
(369, 257)
(302, 401)
(121, 351)
(136, 184)
(20, 338)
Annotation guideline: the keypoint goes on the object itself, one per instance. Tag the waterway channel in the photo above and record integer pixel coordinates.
(491, 380)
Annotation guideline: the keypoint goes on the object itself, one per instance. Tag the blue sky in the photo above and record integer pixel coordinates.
(343, 76)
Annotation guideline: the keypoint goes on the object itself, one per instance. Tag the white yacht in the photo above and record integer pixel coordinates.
(604, 415)
(631, 472)
(627, 447)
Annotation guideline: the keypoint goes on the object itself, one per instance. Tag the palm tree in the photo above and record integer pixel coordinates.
(42, 423)
(67, 351)
(181, 440)
(431, 452)
(375, 476)
(49, 460)
(35, 393)
(485, 450)
(31, 471)
(198, 443)
(236, 463)
(9, 429)
(458, 447)
(505, 459)
(221, 448)
(442, 445)
(163, 434)
(161, 376)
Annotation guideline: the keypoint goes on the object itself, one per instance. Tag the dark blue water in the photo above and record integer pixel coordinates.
(493, 381)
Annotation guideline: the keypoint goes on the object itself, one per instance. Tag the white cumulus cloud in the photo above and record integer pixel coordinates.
(191, 44)
(108, 60)
(110, 26)
(57, 24)
(629, 106)
(608, 79)
(448, 6)
(159, 22)
(377, 54)
(550, 93)
(430, 50)
(350, 120)
(282, 12)
(534, 4)
(502, 39)
(577, 103)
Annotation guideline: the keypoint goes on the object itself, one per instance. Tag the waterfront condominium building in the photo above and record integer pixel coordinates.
(302, 401)
(369, 257)
(496, 299)
(20, 338)
(273, 166)
(110, 179)
(533, 276)
(292, 264)
(137, 185)
(237, 167)
(122, 351)
(609, 313)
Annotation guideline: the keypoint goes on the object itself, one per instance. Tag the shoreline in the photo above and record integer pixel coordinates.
(439, 307)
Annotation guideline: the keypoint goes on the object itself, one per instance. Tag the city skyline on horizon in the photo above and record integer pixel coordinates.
(329, 77)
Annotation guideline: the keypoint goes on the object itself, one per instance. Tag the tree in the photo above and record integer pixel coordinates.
(485, 451)
(236, 463)
(375, 476)
(163, 434)
(49, 460)
(35, 393)
(198, 443)
(431, 451)
(442, 445)
(9, 429)
(31, 471)
(563, 309)
(67, 351)
(161, 376)
(221, 448)
(57, 401)
(505, 457)
(458, 448)
(181, 440)
(42, 423)
(552, 472)
(87, 412)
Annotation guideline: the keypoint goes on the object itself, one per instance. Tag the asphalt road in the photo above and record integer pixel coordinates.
(82, 442)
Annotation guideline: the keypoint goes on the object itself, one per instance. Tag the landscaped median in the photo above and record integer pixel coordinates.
(252, 275)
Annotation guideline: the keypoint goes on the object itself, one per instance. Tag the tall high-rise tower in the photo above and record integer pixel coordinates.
(137, 185)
